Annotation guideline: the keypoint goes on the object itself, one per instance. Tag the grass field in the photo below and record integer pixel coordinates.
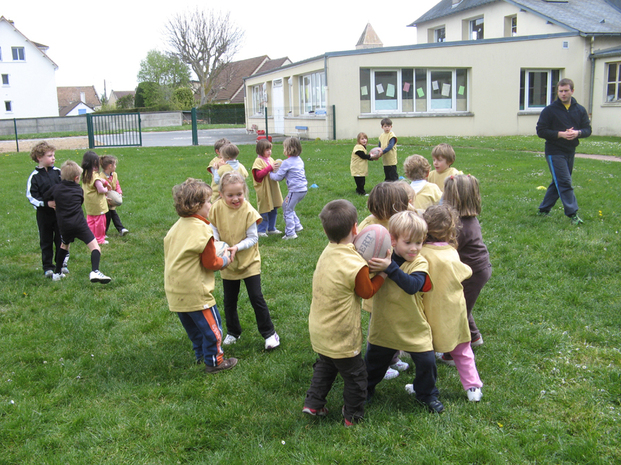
(105, 374)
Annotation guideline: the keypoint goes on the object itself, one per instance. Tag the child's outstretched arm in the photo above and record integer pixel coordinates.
(366, 287)
(258, 175)
(390, 145)
(252, 237)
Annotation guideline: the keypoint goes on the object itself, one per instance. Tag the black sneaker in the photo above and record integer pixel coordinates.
(434, 406)
(226, 364)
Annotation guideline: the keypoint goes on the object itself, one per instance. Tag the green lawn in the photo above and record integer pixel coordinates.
(105, 374)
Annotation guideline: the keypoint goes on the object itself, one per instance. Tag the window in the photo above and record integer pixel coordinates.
(476, 29)
(511, 26)
(538, 88)
(18, 53)
(413, 90)
(312, 92)
(439, 34)
(7, 105)
(5, 79)
(613, 86)
(258, 102)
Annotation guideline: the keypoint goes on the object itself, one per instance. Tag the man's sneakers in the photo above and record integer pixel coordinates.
(98, 277)
(543, 213)
(228, 340)
(576, 220)
(226, 364)
(272, 342)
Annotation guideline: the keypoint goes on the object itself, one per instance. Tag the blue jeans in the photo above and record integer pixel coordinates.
(269, 221)
(561, 166)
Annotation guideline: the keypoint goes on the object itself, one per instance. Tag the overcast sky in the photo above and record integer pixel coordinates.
(92, 41)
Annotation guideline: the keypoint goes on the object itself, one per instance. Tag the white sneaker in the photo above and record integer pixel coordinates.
(477, 342)
(104, 242)
(123, 231)
(49, 273)
(64, 270)
(99, 277)
(391, 374)
(272, 342)
(228, 340)
(400, 365)
(292, 236)
(274, 231)
(474, 394)
(299, 228)
(262, 234)
(57, 276)
(409, 388)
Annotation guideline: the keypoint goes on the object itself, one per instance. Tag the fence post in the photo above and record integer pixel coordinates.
(266, 128)
(89, 128)
(194, 127)
(333, 122)
(16, 138)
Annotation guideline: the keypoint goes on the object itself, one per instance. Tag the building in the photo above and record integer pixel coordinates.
(118, 94)
(77, 100)
(480, 68)
(28, 87)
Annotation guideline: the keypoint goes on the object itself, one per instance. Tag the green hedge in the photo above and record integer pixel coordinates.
(218, 113)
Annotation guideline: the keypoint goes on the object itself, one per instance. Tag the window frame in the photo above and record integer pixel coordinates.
(258, 104)
(553, 75)
(472, 29)
(616, 82)
(436, 32)
(18, 53)
(312, 92)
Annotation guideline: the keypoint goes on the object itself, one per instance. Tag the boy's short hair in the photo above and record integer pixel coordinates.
(386, 121)
(292, 147)
(566, 82)
(232, 177)
(408, 225)
(70, 170)
(190, 196)
(262, 146)
(443, 224)
(386, 199)
(39, 150)
(338, 217)
(220, 143)
(462, 193)
(108, 160)
(444, 151)
(416, 167)
(229, 151)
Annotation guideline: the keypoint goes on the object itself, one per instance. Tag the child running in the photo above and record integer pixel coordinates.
(445, 305)
(108, 165)
(462, 193)
(189, 263)
(340, 279)
(234, 221)
(95, 203)
(399, 321)
(292, 169)
(269, 197)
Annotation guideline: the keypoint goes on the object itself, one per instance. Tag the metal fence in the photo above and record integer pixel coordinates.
(319, 123)
(114, 130)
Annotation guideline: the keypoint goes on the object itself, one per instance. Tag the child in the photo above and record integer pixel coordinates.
(234, 221)
(269, 197)
(108, 165)
(340, 279)
(95, 202)
(388, 144)
(445, 305)
(69, 197)
(409, 191)
(229, 153)
(292, 169)
(189, 263)
(398, 317)
(359, 165)
(215, 163)
(38, 192)
(443, 157)
(417, 168)
(386, 199)
(462, 193)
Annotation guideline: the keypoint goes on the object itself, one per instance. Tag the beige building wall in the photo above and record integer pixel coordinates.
(606, 117)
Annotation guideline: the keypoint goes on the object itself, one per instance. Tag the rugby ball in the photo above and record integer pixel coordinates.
(221, 248)
(373, 242)
(277, 164)
(376, 152)
(115, 198)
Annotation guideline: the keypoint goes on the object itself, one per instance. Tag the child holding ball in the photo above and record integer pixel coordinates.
(234, 221)
(269, 197)
(359, 165)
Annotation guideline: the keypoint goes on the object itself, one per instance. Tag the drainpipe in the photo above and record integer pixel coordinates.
(592, 84)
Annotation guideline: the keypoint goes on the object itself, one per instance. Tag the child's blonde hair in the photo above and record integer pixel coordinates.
(407, 225)
(409, 190)
(360, 136)
(229, 151)
(443, 224)
(292, 147)
(462, 193)
(70, 170)
(232, 177)
(386, 199)
(107, 160)
(416, 167)
(445, 152)
(39, 150)
(190, 196)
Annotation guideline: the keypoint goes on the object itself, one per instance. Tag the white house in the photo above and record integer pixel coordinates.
(28, 87)
(480, 68)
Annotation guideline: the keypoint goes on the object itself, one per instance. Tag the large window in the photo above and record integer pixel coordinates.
(613, 85)
(413, 90)
(257, 100)
(18, 53)
(312, 92)
(538, 88)
(476, 28)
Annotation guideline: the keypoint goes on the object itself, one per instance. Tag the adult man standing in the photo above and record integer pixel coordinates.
(561, 124)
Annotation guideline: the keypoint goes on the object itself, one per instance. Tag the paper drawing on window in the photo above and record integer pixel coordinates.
(364, 90)
(461, 90)
(446, 90)
(390, 90)
(406, 87)
(420, 92)
(435, 85)
(380, 89)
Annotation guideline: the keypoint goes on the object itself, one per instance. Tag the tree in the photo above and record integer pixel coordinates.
(147, 94)
(183, 98)
(165, 69)
(125, 103)
(206, 42)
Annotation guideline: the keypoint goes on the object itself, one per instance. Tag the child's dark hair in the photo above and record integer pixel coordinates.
(190, 196)
(90, 163)
(416, 167)
(220, 143)
(292, 147)
(443, 224)
(229, 152)
(107, 160)
(386, 122)
(386, 199)
(262, 146)
(338, 217)
(70, 170)
(462, 193)
(445, 152)
(39, 150)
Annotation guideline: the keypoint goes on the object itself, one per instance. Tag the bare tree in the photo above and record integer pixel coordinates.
(206, 41)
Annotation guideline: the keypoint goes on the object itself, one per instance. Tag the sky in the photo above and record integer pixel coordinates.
(95, 41)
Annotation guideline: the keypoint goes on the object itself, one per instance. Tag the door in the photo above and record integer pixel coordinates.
(278, 106)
